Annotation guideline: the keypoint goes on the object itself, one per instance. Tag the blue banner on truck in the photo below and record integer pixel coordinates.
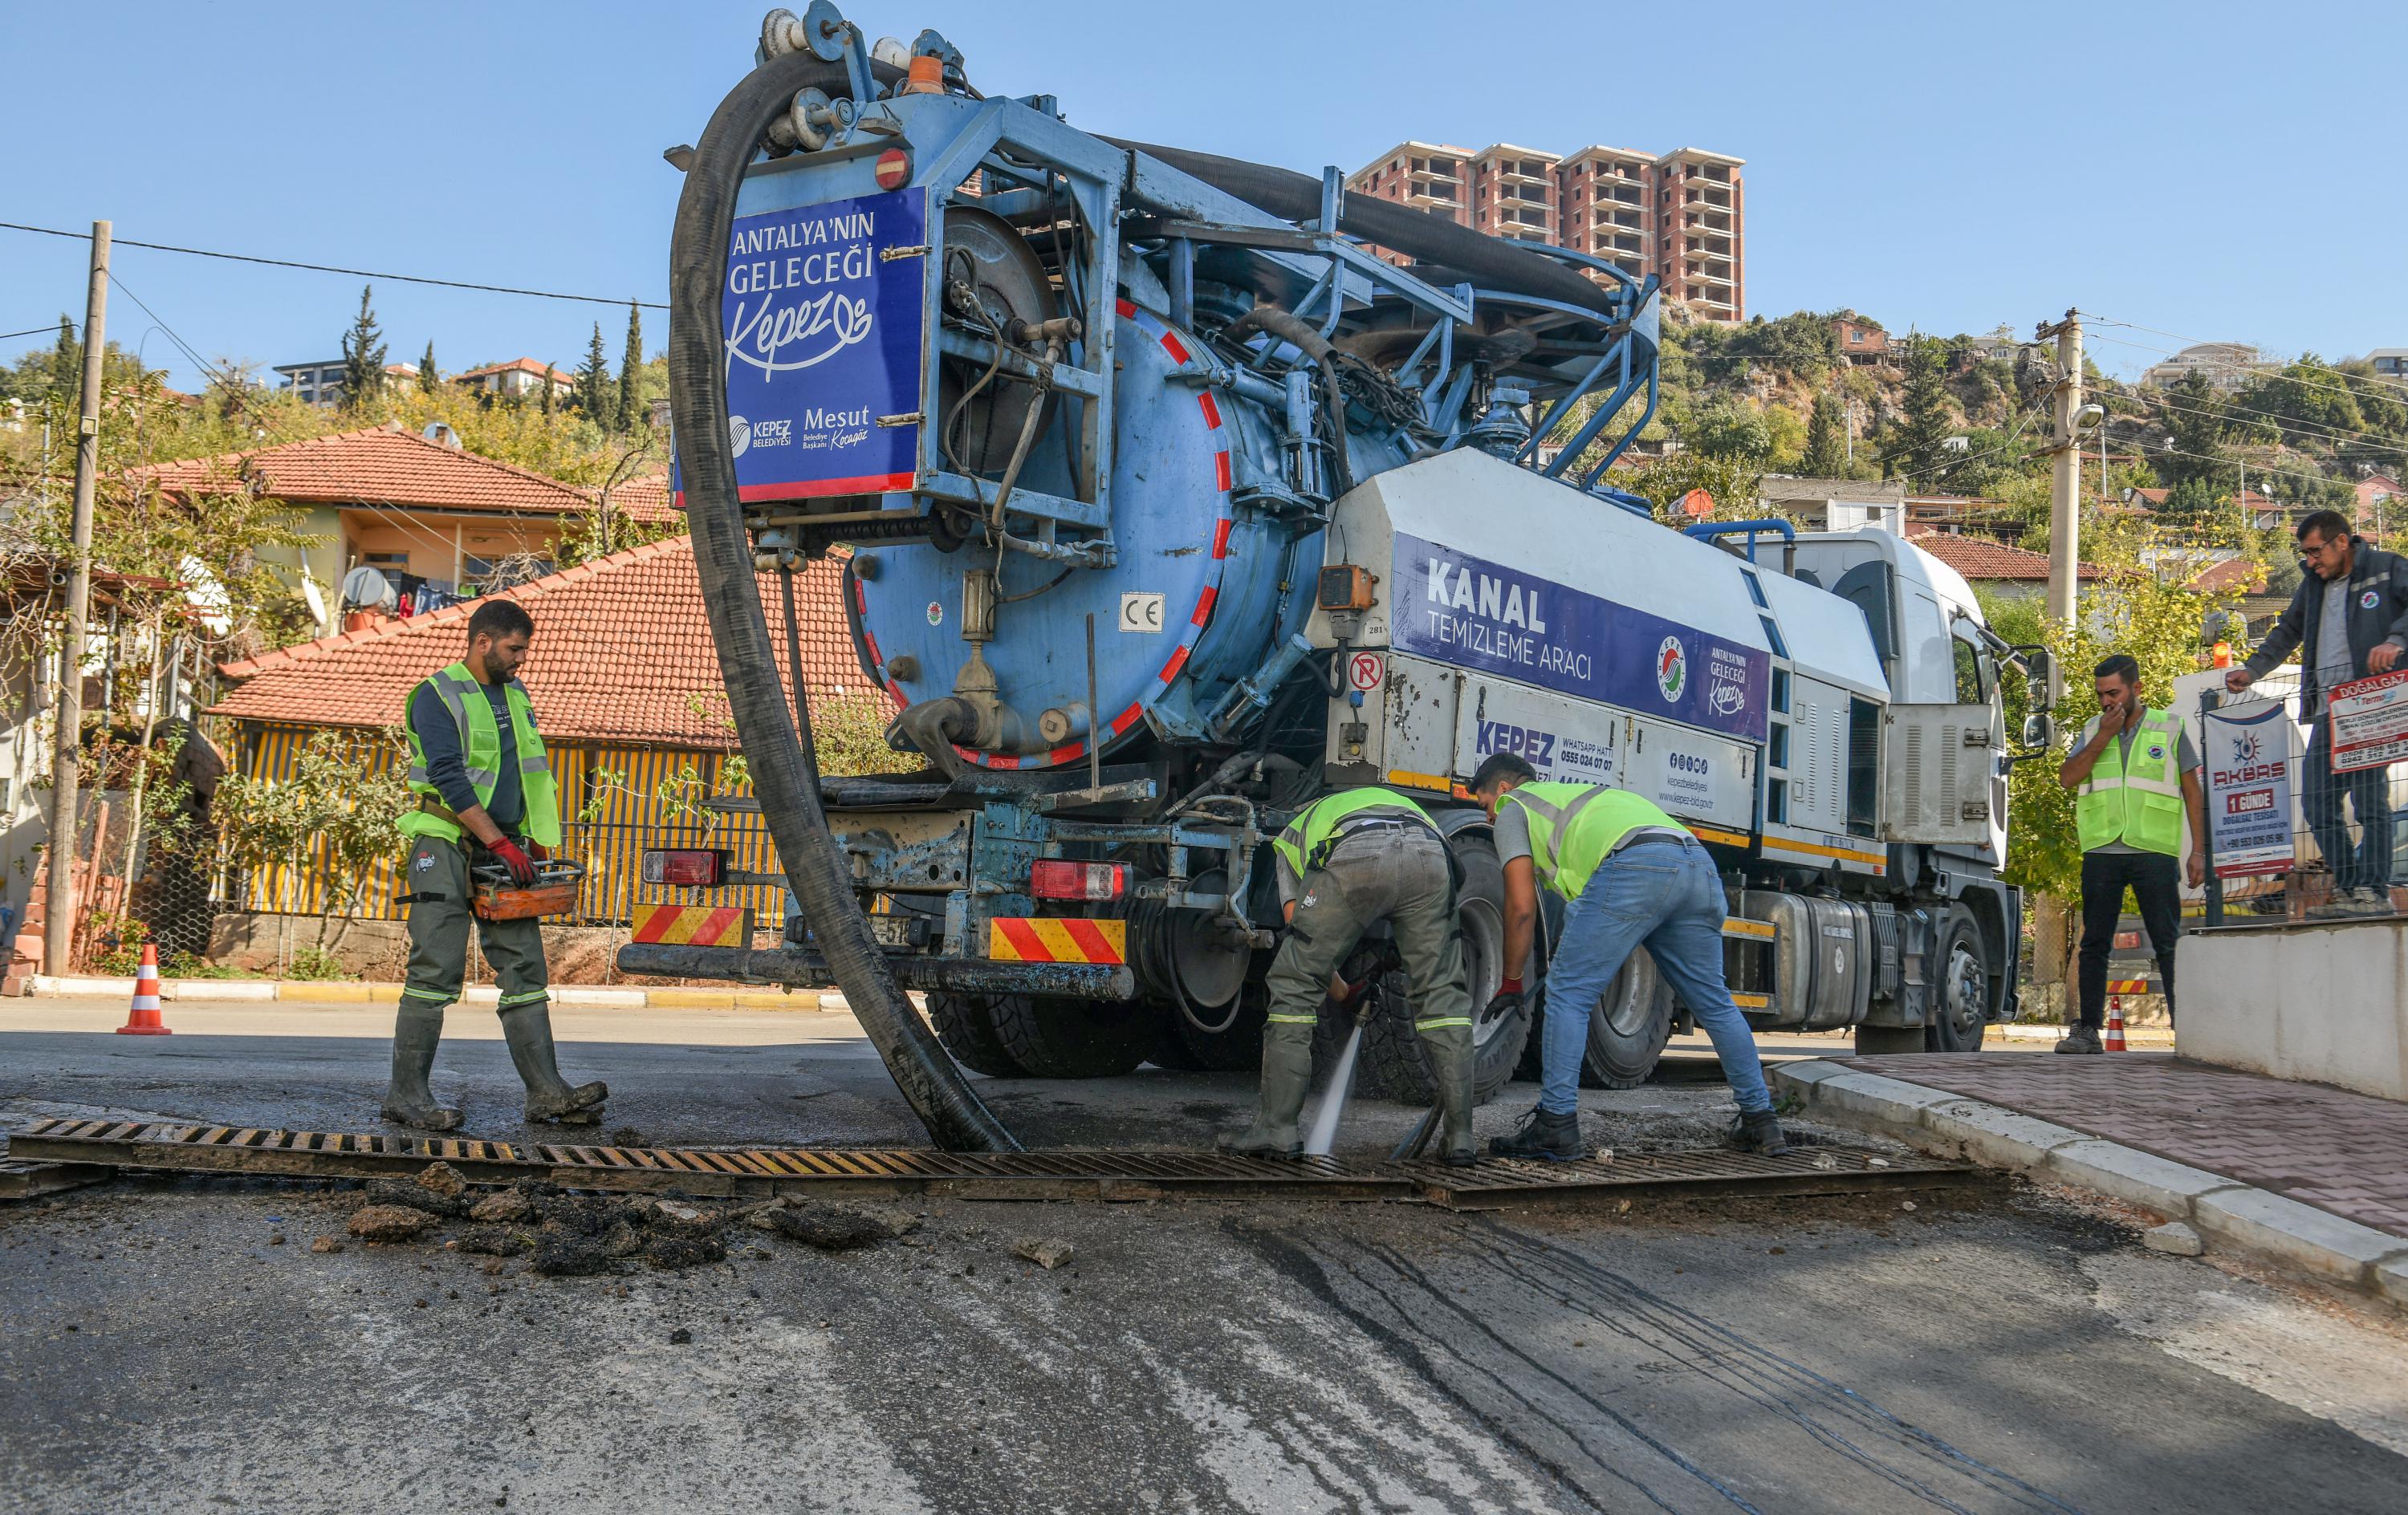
(823, 307)
(1455, 608)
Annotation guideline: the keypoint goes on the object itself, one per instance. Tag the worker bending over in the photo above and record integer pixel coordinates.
(1633, 875)
(1347, 862)
(484, 789)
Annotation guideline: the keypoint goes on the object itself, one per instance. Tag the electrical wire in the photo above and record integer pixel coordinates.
(329, 268)
(2231, 365)
(32, 331)
(2021, 422)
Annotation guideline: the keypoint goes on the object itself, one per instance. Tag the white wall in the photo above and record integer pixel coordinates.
(2318, 1004)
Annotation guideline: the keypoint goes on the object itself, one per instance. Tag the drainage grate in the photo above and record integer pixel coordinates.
(1091, 1174)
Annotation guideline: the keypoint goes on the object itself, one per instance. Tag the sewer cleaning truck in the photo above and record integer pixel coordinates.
(1172, 492)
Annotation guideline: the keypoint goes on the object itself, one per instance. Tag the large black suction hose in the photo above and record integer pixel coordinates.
(789, 796)
(1416, 234)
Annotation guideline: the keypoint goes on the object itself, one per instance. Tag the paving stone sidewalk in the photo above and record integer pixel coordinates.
(2343, 1152)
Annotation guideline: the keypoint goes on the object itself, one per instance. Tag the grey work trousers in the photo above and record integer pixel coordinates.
(440, 921)
(1393, 873)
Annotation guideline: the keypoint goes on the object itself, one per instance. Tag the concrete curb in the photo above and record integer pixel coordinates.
(257, 990)
(2228, 1214)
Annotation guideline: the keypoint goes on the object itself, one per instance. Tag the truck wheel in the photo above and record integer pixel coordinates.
(966, 1027)
(1394, 1062)
(1629, 1026)
(1073, 1038)
(1236, 1050)
(1961, 1011)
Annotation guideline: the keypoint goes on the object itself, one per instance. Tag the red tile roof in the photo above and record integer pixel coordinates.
(2231, 576)
(1979, 560)
(622, 653)
(644, 499)
(381, 465)
(518, 365)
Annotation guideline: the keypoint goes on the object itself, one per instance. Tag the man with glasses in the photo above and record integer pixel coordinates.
(2349, 621)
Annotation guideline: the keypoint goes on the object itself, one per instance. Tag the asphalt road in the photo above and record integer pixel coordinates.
(2001, 1350)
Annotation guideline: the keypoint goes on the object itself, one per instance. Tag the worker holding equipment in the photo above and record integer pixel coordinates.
(485, 795)
(1347, 862)
(1632, 875)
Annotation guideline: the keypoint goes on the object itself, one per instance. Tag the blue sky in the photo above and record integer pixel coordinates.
(2210, 170)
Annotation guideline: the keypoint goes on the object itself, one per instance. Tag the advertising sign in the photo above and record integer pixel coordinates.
(1466, 612)
(822, 310)
(2248, 750)
(2370, 722)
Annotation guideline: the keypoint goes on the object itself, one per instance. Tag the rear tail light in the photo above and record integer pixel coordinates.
(1054, 879)
(698, 867)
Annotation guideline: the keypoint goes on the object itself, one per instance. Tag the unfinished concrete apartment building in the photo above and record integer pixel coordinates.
(1678, 215)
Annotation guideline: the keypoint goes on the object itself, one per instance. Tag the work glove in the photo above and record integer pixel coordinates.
(1506, 999)
(515, 859)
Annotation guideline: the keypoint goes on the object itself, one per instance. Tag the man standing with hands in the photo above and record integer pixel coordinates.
(2349, 620)
(2136, 777)
(483, 789)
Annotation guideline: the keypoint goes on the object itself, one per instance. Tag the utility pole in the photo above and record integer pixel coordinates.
(58, 910)
(2065, 475)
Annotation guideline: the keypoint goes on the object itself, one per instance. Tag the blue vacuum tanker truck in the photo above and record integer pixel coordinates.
(1173, 491)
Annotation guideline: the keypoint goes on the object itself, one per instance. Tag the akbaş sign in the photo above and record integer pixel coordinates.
(1466, 612)
(823, 325)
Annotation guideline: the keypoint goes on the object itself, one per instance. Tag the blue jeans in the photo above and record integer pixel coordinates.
(2369, 791)
(1666, 896)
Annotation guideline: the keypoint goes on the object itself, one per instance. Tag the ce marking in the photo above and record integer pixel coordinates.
(1141, 612)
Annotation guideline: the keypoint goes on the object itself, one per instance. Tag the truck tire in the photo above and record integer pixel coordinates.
(1073, 1038)
(1629, 1027)
(1960, 1010)
(1393, 1061)
(966, 1027)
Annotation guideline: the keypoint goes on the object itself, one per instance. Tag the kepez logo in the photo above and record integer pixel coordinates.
(1671, 669)
(739, 435)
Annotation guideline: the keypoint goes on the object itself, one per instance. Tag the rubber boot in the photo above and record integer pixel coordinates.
(1451, 1061)
(1287, 1075)
(417, 1030)
(550, 1097)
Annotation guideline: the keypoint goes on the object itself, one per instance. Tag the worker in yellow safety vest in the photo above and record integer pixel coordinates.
(483, 789)
(2135, 774)
(1347, 862)
(1630, 875)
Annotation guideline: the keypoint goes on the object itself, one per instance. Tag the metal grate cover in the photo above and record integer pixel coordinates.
(1079, 1173)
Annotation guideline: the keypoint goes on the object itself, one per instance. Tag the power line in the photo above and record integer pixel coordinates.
(2241, 367)
(2365, 441)
(328, 268)
(207, 369)
(31, 330)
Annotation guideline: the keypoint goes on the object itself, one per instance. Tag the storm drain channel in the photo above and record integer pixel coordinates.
(1074, 1173)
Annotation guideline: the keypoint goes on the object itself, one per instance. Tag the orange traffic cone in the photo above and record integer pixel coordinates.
(143, 1018)
(2115, 1042)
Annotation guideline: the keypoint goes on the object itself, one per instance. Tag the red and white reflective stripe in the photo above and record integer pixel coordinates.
(1205, 599)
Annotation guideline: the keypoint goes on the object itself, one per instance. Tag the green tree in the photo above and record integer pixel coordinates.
(332, 819)
(66, 358)
(363, 358)
(2196, 424)
(1827, 439)
(631, 371)
(594, 396)
(1913, 446)
(2193, 499)
(426, 379)
(1728, 429)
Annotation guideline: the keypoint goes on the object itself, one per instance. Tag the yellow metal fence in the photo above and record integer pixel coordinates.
(615, 802)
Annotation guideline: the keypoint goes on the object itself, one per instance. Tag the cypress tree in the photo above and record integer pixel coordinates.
(426, 369)
(66, 360)
(1827, 439)
(544, 389)
(1927, 415)
(630, 365)
(363, 357)
(594, 398)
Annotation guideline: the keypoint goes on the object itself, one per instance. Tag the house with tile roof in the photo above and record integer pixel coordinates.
(625, 682)
(516, 379)
(2009, 572)
(417, 506)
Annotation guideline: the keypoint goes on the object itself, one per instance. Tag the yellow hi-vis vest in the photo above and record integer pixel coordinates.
(480, 743)
(1574, 826)
(2140, 804)
(1302, 841)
